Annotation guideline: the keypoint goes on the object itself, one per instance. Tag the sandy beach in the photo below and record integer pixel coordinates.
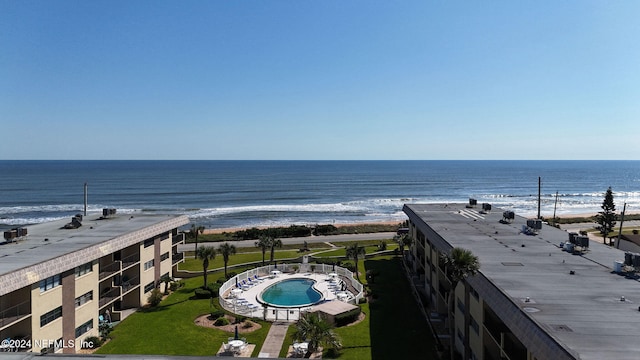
(397, 222)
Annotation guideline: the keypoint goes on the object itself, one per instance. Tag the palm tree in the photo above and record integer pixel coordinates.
(274, 243)
(264, 242)
(226, 250)
(205, 253)
(316, 332)
(166, 279)
(193, 234)
(403, 240)
(354, 252)
(459, 264)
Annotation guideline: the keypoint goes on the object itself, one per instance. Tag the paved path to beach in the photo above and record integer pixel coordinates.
(274, 340)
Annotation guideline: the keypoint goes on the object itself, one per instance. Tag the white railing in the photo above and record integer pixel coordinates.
(278, 313)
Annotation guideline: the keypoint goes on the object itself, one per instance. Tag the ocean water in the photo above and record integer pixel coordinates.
(224, 194)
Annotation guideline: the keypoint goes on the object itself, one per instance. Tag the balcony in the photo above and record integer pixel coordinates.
(109, 295)
(129, 284)
(130, 260)
(178, 239)
(177, 257)
(106, 271)
(15, 313)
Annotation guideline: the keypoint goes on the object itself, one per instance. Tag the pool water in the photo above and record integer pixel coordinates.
(291, 293)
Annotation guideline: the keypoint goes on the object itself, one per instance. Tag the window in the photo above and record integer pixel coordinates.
(54, 346)
(475, 325)
(84, 298)
(148, 265)
(461, 306)
(164, 256)
(84, 328)
(50, 316)
(149, 287)
(474, 293)
(49, 283)
(148, 242)
(84, 269)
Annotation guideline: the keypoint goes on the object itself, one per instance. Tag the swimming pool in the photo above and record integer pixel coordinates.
(291, 293)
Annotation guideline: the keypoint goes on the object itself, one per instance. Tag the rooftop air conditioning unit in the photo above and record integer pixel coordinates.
(628, 258)
(486, 207)
(582, 241)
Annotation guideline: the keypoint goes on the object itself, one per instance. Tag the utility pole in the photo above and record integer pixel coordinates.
(539, 187)
(554, 209)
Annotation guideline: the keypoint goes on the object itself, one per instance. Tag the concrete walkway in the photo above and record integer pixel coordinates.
(274, 341)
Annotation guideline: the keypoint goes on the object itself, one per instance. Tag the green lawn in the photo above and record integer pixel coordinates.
(191, 264)
(342, 252)
(169, 329)
(392, 318)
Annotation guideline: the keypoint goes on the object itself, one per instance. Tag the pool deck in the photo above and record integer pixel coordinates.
(254, 308)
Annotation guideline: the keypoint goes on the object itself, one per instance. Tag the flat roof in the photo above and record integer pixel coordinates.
(583, 311)
(95, 229)
(334, 307)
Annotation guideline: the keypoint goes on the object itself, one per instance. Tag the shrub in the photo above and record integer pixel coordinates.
(155, 297)
(231, 274)
(91, 342)
(635, 231)
(348, 317)
(325, 230)
(247, 324)
(214, 289)
(240, 319)
(362, 300)
(173, 286)
(202, 293)
(221, 280)
(349, 265)
(221, 321)
(216, 313)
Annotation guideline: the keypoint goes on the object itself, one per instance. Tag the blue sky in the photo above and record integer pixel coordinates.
(319, 80)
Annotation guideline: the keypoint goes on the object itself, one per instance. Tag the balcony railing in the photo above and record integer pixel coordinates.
(109, 270)
(177, 257)
(108, 296)
(178, 238)
(130, 284)
(130, 260)
(15, 313)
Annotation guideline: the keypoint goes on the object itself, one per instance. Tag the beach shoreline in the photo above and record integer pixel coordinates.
(398, 222)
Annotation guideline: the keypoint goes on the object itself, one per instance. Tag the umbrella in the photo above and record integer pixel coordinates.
(236, 337)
